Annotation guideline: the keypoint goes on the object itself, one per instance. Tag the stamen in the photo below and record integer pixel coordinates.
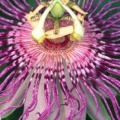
(50, 35)
(65, 1)
(78, 9)
(70, 3)
(46, 4)
(37, 17)
(69, 18)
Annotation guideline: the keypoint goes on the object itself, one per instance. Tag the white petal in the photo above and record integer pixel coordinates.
(91, 108)
(41, 104)
(15, 100)
(18, 95)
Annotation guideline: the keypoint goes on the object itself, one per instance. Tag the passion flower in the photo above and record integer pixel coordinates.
(60, 75)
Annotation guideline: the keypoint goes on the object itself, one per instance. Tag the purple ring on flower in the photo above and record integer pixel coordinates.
(60, 79)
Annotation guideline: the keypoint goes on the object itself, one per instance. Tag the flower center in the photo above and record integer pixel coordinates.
(56, 9)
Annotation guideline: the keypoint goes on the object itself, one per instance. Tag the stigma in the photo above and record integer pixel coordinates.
(57, 10)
